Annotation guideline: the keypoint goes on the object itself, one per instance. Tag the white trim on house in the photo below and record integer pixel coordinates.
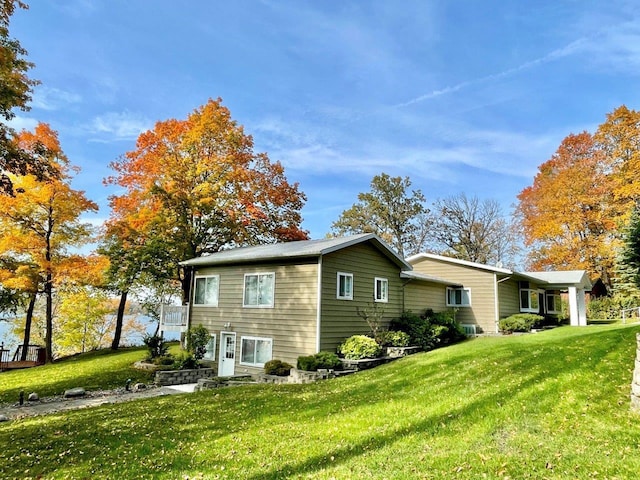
(344, 295)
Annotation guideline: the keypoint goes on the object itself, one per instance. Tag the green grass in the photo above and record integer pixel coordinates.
(94, 370)
(547, 405)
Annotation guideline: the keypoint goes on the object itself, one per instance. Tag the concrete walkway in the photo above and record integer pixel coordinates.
(91, 399)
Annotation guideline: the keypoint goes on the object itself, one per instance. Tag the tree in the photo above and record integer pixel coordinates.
(566, 213)
(619, 139)
(197, 186)
(15, 92)
(474, 230)
(390, 211)
(628, 262)
(42, 219)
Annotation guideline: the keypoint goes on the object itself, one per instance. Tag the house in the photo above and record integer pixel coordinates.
(487, 293)
(298, 298)
(282, 301)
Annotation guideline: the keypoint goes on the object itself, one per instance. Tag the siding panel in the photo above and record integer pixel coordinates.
(291, 323)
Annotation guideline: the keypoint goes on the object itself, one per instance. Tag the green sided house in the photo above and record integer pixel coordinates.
(487, 293)
(285, 300)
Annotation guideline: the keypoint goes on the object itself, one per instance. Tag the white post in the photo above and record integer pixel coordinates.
(577, 307)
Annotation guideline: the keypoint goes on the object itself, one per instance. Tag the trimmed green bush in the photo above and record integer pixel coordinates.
(185, 361)
(430, 329)
(393, 338)
(277, 367)
(520, 322)
(156, 346)
(321, 360)
(358, 347)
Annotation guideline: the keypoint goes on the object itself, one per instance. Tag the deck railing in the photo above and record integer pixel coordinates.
(5, 355)
(35, 353)
(630, 315)
(173, 316)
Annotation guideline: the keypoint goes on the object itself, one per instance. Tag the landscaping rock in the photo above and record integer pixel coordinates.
(139, 386)
(74, 392)
(33, 397)
(4, 418)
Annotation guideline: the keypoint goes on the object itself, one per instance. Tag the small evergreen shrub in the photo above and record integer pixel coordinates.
(277, 367)
(156, 346)
(393, 338)
(520, 322)
(321, 360)
(358, 347)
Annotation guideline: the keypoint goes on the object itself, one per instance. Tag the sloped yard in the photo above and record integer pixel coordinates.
(547, 405)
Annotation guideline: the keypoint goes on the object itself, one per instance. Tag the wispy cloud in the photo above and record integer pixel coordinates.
(565, 51)
(119, 126)
(51, 99)
(23, 123)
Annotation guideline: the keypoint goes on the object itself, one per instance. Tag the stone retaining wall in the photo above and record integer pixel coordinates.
(180, 377)
(635, 384)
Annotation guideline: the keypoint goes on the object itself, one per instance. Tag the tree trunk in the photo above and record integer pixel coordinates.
(185, 282)
(119, 320)
(27, 327)
(48, 341)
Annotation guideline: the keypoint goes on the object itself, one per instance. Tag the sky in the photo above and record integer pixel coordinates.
(461, 96)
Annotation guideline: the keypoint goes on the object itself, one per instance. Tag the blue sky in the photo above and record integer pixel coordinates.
(459, 95)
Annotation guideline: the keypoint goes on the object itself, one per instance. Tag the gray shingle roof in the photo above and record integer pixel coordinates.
(291, 250)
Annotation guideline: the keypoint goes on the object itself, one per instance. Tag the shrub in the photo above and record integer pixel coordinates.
(164, 360)
(277, 367)
(321, 360)
(156, 345)
(185, 361)
(358, 347)
(197, 340)
(520, 322)
(393, 338)
(430, 329)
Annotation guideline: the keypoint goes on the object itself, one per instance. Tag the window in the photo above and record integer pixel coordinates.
(259, 290)
(381, 290)
(210, 353)
(206, 290)
(345, 286)
(255, 351)
(529, 300)
(458, 297)
(554, 302)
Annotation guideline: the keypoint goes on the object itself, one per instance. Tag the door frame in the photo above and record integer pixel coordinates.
(222, 351)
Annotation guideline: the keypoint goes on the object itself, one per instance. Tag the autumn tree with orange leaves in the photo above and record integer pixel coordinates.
(40, 223)
(566, 213)
(198, 186)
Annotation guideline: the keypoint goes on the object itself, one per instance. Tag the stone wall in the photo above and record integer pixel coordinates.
(635, 384)
(180, 377)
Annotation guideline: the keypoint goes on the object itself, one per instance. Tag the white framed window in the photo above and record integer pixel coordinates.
(381, 289)
(206, 290)
(255, 351)
(344, 284)
(210, 353)
(259, 290)
(458, 297)
(529, 300)
(554, 302)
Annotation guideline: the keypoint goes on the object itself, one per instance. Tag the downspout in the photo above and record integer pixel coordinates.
(319, 305)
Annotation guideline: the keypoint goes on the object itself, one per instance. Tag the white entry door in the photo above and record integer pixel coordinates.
(227, 358)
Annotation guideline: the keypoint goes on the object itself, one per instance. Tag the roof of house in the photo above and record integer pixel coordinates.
(293, 250)
(557, 279)
(428, 278)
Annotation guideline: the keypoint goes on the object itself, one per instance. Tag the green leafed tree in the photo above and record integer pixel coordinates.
(390, 210)
(628, 260)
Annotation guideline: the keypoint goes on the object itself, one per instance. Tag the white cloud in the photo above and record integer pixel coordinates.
(19, 123)
(50, 99)
(119, 126)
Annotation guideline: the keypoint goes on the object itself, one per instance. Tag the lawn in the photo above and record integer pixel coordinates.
(546, 405)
